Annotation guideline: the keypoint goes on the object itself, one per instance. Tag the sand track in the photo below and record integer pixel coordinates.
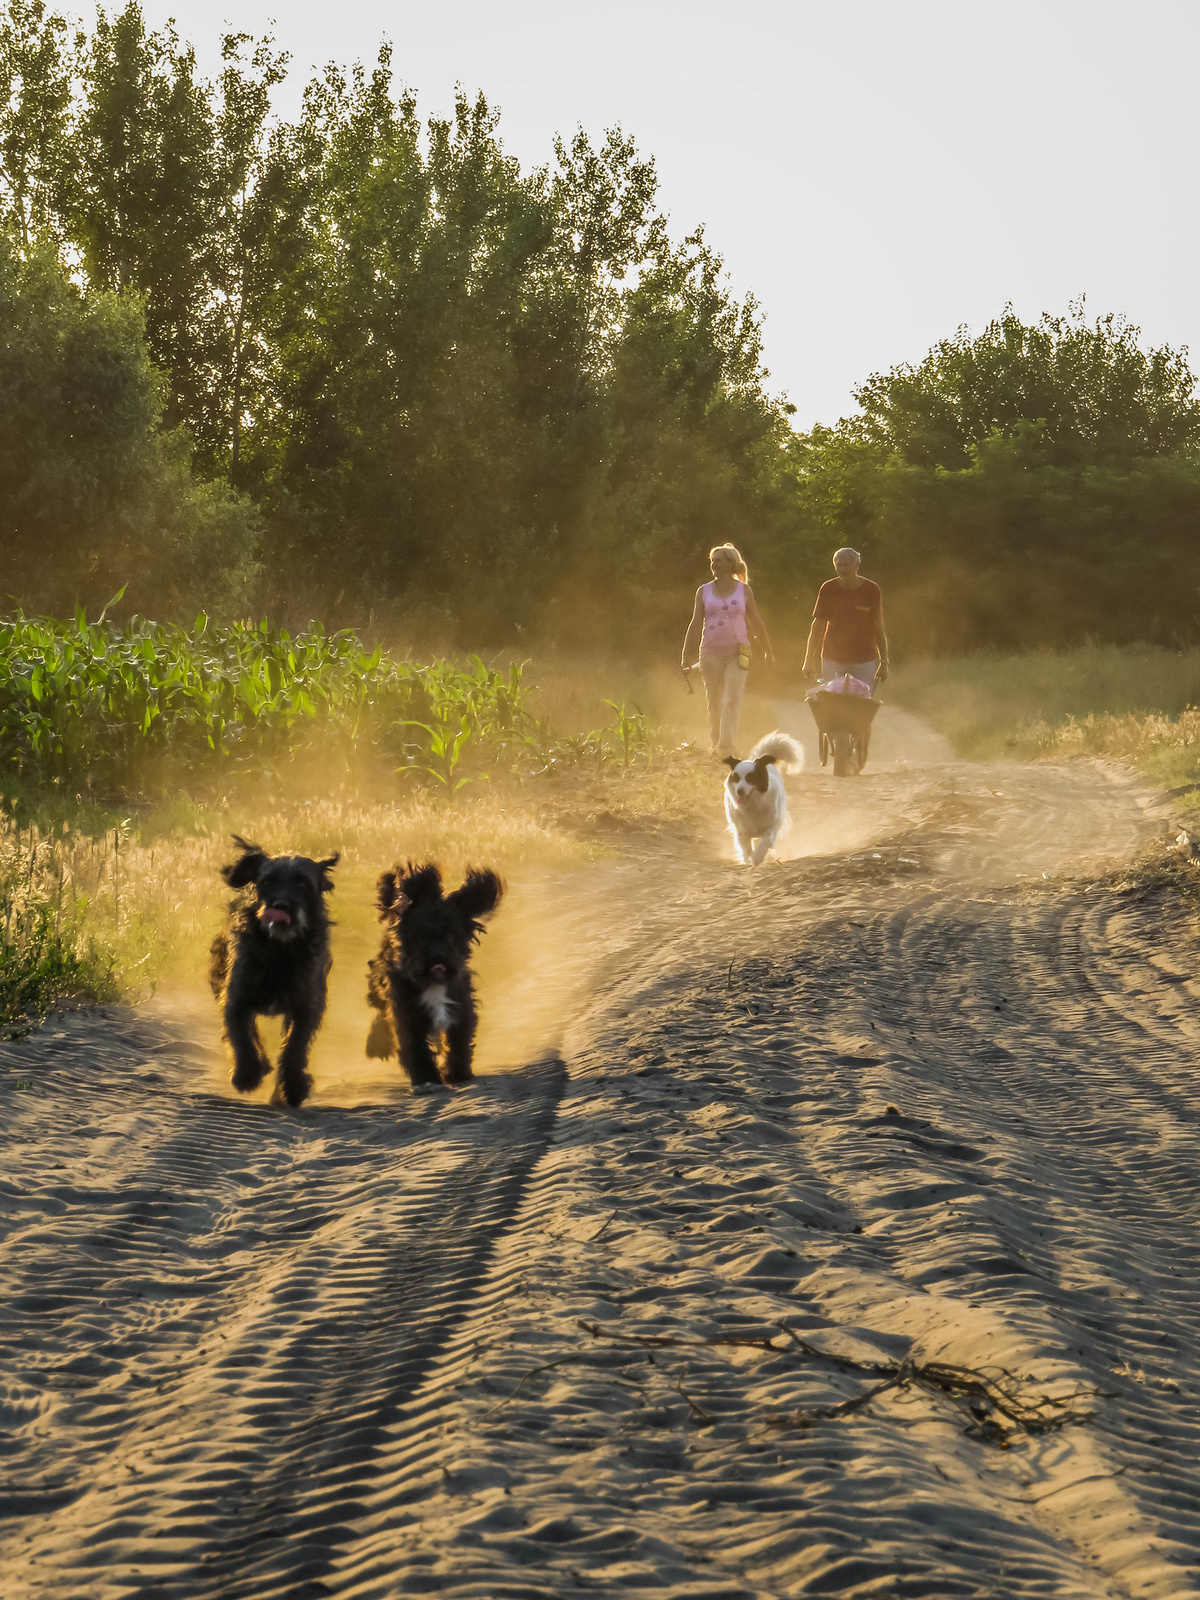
(214, 1326)
(924, 1090)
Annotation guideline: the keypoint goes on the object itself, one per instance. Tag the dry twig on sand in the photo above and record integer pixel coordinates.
(1003, 1393)
(577, 1355)
(697, 1410)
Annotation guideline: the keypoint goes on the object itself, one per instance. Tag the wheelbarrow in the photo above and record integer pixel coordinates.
(843, 728)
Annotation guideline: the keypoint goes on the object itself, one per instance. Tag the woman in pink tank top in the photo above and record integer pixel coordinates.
(724, 620)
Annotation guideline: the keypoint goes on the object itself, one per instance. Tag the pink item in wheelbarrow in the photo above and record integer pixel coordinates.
(848, 685)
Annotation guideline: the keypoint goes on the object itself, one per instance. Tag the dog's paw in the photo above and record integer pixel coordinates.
(296, 1087)
(247, 1075)
(428, 1088)
(292, 1090)
(380, 1043)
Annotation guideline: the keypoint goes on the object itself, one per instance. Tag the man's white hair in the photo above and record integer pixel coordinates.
(846, 551)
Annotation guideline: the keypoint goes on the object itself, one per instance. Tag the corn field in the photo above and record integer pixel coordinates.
(99, 713)
(96, 708)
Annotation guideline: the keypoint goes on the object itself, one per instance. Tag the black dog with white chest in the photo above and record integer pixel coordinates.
(273, 960)
(420, 983)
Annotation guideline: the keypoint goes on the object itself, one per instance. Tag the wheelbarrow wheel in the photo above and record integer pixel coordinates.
(844, 763)
(824, 749)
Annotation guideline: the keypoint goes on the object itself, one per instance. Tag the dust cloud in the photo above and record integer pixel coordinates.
(557, 927)
(532, 966)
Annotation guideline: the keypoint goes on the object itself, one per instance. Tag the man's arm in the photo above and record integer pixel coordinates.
(812, 651)
(881, 644)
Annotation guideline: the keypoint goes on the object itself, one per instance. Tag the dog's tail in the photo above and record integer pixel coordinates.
(780, 748)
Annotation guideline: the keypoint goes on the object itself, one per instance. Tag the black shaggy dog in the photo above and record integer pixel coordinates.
(420, 982)
(273, 961)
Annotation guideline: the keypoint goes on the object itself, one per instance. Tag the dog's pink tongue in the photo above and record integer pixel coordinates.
(272, 914)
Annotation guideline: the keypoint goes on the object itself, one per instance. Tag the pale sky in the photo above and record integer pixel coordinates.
(877, 173)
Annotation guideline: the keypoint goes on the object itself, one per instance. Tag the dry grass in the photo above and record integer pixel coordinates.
(1135, 704)
(127, 904)
(990, 706)
(672, 792)
(1166, 749)
(571, 691)
(134, 896)
(131, 903)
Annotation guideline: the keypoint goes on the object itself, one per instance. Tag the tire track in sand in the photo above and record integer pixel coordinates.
(228, 1388)
(210, 1339)
(726, 1161)
(1053, 1027)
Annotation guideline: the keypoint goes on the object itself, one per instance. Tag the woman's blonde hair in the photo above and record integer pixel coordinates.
(739, 566)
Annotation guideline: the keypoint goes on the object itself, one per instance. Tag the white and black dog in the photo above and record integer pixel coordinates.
(755, 799)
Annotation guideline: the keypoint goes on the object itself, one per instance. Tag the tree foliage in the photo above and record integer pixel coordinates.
(369, 357)
(1034, 484)
(35, 108)
(93, 494)
(1098, 396)
(457, 391)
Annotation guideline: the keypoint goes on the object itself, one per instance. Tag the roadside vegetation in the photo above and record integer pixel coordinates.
(105, 908)
(49, 952)
(128, 754)
(1135, 703)
(107, 710)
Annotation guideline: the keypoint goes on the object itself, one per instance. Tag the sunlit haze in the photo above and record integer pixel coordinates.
(876, 173)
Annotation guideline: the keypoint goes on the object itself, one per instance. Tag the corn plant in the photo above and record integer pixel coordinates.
(629, 732)
(625, 740)
(108, 710)
(443, 753)
(91, 706)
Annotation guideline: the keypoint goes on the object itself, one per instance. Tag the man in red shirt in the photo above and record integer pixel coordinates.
(847, 632)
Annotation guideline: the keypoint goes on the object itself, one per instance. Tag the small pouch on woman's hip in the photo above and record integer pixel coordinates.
(744, 657)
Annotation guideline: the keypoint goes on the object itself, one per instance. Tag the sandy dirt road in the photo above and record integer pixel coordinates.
(923, 1092)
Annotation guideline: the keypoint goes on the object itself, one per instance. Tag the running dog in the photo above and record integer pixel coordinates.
(273, 960)
(420, 983)
(755, 798)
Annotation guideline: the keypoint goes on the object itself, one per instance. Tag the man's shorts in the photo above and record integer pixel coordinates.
(863, 670)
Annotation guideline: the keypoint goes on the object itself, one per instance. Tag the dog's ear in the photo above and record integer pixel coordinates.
(245, 870)
(389, 896)
(324, 868)
(420, 883)
(480, 894)
(730, 762)
(760, 776)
